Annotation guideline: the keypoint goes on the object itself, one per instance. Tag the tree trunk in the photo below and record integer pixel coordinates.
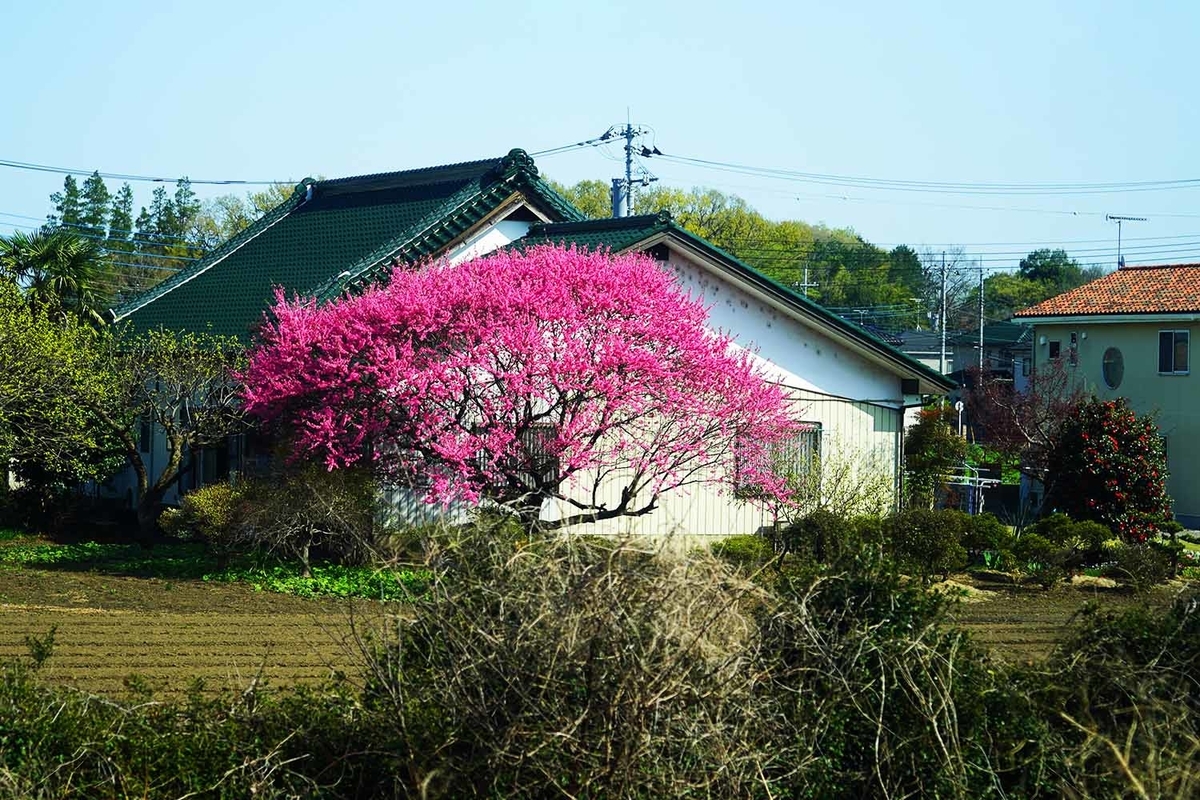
(148, 510)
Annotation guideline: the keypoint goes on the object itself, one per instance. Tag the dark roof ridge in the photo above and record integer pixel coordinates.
(1158, 266)
(516, 160)
(515, 170)
(604, 224)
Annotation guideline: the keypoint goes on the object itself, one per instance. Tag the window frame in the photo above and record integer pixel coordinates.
(1105, 361)
(807, 440)
(1172, 352)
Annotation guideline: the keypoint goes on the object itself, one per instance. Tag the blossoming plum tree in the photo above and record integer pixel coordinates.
(521, 377)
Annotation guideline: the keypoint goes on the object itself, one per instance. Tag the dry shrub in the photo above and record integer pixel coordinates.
(571, 668)
(882, 699)
(567, 668)
(1124, 691)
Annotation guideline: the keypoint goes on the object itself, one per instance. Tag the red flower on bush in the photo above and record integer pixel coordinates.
(1123, 483)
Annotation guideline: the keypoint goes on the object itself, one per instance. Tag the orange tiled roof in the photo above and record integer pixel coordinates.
(1169, 289)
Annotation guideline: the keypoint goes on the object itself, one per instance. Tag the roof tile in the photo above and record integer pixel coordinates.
(1168, 289)
(348, 231)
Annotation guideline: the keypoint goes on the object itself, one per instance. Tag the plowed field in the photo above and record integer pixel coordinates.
(1025, 623)
(112, 627)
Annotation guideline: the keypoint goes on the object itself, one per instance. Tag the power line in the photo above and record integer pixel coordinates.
(940, 187)
(132, 240)
(573, 146)
(126, 176)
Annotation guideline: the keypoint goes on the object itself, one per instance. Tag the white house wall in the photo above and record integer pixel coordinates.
(857, 403)
(796, 355)
(867, 435)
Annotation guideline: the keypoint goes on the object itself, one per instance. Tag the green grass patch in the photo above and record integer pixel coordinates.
(190, 561)
(329, 580)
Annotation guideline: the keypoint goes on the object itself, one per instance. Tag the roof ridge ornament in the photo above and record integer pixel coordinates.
(517, 160)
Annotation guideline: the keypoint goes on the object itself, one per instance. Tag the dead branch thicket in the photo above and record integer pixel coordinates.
(572, 668)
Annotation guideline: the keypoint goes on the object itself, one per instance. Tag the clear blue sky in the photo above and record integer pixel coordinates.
(1013, 92)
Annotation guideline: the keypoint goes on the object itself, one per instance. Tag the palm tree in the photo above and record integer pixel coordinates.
(57, 270)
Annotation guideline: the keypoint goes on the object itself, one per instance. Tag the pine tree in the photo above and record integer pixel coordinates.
(155, 226)
(141, 253)
(185, 243)
(120, 244)
(67, 205)
(187, 207)
(94, 210)
(120, 219)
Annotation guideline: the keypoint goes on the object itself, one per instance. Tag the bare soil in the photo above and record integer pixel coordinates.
(170, 633)
(1024, 623)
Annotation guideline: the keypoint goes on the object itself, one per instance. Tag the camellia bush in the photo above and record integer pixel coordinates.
(1108, 465)
(524, 376)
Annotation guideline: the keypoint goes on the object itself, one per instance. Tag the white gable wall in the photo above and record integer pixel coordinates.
(793, 353)
(488, 238)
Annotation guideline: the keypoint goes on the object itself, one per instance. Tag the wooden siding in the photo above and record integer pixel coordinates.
(868, 431)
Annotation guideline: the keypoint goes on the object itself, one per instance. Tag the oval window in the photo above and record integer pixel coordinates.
(1113, 367)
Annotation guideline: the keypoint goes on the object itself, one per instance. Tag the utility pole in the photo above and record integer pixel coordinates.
(628, 166)
(981, 318)
(1119, 220)
(622, 188)
(942, 319)
(804, 287)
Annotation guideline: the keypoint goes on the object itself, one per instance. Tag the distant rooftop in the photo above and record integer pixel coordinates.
(1168, 289)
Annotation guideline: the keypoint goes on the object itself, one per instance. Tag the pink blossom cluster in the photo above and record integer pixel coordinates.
(438, 377)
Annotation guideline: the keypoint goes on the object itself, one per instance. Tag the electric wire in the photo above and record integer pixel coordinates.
(941, 187)
(126, 176)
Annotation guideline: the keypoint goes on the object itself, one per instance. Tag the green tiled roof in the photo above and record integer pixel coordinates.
(627, 233)
(616, 234)
(333, 235)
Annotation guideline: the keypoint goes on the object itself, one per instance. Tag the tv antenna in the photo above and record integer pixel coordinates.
(1119, 220)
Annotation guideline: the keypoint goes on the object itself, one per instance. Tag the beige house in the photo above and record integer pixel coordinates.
(1128, 335)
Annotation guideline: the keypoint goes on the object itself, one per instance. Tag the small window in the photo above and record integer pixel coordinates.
(1113, 367)
(1173, 352)
(796, 459)
(1055, 350)
(145, 436)
(1074, 351)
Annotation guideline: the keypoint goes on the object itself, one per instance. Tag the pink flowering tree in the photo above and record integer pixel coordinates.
(522, 377)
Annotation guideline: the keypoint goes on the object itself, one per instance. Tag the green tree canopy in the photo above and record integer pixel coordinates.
(48, 381)
(932, 450)
(60, 272)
